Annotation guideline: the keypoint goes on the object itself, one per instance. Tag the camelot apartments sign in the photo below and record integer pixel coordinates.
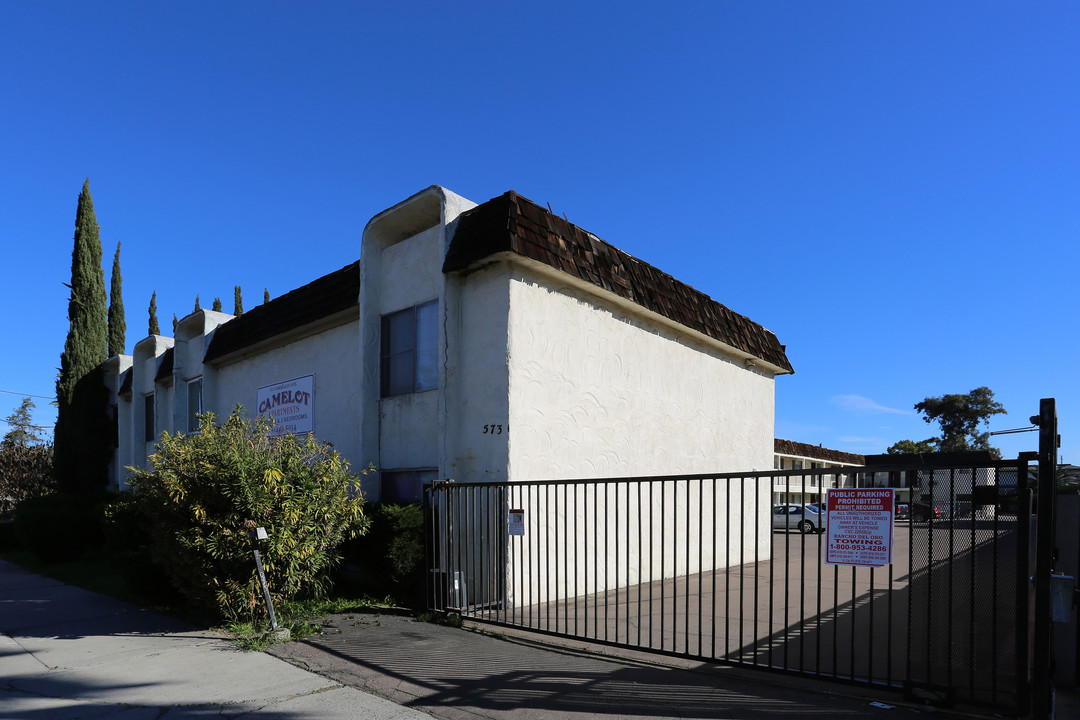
(290, 403)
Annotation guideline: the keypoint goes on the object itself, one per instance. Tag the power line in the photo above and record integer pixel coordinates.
(40, 397)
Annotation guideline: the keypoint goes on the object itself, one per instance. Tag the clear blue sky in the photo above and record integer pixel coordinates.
(892, 188)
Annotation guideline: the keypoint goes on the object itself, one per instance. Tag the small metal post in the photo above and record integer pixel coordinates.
(256, 535)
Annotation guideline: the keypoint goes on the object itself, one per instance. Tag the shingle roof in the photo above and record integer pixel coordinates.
(790, 447)
(125, 384)
(512, 223)
(321, 298)
(164, 371)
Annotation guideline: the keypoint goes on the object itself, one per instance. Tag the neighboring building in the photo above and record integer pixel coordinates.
(490, 342)
(808, 488)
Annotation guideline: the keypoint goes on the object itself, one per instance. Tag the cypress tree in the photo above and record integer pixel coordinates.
(153, 328)
(238, 302)
(117, 323)
(266, 296)
(81, 435)
(175, 322)
(197, 308)
(217, 305)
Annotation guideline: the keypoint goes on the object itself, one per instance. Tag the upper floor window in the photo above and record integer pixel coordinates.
(148, 418)
(194, 406)
(409, 353)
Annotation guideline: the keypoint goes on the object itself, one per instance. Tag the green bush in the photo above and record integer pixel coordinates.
(389, 559)
(26, 471)
(129, 548)
(60, 527)
(204, 492)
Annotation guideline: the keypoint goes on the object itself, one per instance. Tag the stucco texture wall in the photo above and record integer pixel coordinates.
(331, 357)
(597, 392)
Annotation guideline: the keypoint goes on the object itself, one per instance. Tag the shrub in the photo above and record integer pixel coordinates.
(26, 471)
(389, 559)
(60, 527)
(128, 546)
(204, 492)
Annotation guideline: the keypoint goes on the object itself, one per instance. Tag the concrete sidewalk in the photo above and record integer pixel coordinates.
(69, 653)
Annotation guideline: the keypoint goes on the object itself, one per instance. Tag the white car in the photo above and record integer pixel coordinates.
(806, 518)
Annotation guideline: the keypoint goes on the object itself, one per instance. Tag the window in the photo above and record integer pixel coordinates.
(194, 404)
(408, 353)
(405, 486)
(148, 418)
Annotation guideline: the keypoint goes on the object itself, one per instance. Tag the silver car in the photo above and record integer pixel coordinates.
(806, 518)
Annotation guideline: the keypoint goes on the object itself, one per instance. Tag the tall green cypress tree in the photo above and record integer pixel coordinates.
(117, 323)
(266, 295)
(238, 302)
(153, 328)
(197, 308)
(175, 323)
(80, 446)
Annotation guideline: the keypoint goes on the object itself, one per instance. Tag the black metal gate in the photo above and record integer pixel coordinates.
(694, 566)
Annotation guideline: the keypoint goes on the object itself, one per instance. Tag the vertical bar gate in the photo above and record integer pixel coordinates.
(700, 566)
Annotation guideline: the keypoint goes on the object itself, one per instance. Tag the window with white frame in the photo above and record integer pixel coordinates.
(408, 350)
(148, 418)
(194, 404)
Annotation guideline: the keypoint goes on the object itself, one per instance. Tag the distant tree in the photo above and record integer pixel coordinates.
(153, 328)
(238, 302)
(959, 416)
(117, 323)
(197, 308)
(266, 296)
(913, 447)
(23, 432)
(82, 429)
(175, 323)
(217, 305)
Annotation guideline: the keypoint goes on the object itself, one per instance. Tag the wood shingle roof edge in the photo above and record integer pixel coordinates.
(798, 449)
(329, 295)
(512, 223)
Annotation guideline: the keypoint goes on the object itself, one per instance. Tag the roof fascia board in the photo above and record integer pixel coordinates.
(622, 303)
(323, 324)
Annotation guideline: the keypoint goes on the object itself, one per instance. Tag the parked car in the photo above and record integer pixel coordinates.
(917, 511)
(805, 518)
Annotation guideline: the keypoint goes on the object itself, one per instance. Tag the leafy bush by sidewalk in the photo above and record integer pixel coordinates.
(204, 492)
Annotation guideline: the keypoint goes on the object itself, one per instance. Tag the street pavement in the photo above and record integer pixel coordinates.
(67, 653)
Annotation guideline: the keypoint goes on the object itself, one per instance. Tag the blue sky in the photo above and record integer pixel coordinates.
(892, 188)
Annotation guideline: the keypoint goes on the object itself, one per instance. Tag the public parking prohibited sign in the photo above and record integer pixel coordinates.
(860, 526)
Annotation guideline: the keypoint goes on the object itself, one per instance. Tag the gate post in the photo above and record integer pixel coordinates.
(1042, 699)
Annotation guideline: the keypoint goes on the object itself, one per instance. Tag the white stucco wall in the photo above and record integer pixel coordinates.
(330, 356)
(598, 392)
(477, 424)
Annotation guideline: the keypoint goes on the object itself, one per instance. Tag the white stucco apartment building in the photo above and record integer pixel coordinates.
(474, 342)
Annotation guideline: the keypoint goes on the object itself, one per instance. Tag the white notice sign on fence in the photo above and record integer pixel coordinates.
(860, 526)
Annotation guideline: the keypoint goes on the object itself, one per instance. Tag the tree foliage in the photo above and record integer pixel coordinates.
(22, 431)
(216, 307)
(238, 302)
(204, 492)
(25, 463)
(81, 432)
(117, 323)
(960, 417)
(913, 447)
(266, 295)
(153, 328)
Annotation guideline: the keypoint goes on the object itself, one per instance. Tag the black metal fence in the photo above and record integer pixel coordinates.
(702, 567)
